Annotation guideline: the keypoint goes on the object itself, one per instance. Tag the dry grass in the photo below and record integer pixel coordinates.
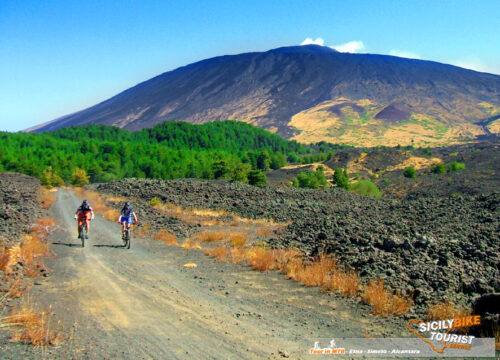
(211, 236)
(323, 272)
(4, 258)
(17, 288)
(143, 231)
(46, 198)
(32, 327)
(263, 231)
(316, 273)
(238, 240)
(262, 259)
(191, 244)
(346, 283)
(384, 302)
(220, 253)
(166, 236)
(206, 217)
(446, 310)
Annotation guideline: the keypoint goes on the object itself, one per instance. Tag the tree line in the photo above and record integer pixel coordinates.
(229, 150)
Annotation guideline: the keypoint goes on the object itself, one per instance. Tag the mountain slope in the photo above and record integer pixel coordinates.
(311, 93)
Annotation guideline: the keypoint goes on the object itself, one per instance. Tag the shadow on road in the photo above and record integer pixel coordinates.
(109, 246)
(67, 244)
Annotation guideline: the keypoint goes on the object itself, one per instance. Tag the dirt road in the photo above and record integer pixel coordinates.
(143, 304)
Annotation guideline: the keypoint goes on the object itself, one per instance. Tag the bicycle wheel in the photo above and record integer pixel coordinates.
(82, 235)
(128, 238)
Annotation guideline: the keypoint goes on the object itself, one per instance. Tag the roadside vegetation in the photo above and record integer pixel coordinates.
(20, 264)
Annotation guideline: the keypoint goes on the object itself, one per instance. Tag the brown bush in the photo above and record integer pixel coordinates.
(316, 273)
(211, 236)
(4, 258)
(383, 301)
(262, 259)
(166, 236)
(220, 253)
(345, 283)
(263, 231)
(238, 240)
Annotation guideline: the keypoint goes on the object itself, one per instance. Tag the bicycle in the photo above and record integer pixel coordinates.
(126, 235)
(83, 233)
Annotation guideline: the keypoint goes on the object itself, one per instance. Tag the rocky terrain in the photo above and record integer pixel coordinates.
(435, 248)
(19, 206)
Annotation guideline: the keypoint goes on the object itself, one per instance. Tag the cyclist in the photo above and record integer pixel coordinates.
(126, 217)
(84, 212)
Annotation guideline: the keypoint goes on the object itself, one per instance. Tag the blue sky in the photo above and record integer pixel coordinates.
(58, 57)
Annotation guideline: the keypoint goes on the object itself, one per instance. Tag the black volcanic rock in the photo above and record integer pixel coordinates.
(268, 88)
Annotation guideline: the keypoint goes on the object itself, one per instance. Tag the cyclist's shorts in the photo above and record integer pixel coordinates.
(126, 219)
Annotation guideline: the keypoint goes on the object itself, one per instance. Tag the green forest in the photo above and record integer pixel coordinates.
(224, 149)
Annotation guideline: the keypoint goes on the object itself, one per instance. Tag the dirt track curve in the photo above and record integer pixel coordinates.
(143, 304)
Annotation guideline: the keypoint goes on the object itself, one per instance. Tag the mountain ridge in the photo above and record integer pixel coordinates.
(286, 90)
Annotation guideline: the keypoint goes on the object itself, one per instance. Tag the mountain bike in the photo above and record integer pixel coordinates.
(126, 236)
(83, 232)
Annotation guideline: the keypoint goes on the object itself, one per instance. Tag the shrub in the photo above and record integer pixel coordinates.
(311, 179)
(439, 168)
(366, 187)
(155, 201)
(257, 178)
(79, 177)
(341, 178)
(410, 172)
(426, 152)
(456, 166)
(50, 178)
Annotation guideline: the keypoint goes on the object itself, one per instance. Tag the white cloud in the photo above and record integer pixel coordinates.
(350, 47)
(310, 41)
(404, 54)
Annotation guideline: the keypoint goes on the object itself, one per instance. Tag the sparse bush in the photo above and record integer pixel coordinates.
(238, 240)
(456, 166)
(410, 172)
(453, 154)
(257, 178)
(155, 201)
(365, 187)
(439, 168)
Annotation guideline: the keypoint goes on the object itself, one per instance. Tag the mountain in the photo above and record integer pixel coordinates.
(313, 93)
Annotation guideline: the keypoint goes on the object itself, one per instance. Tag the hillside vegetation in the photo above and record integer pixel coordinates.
(229, 150)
